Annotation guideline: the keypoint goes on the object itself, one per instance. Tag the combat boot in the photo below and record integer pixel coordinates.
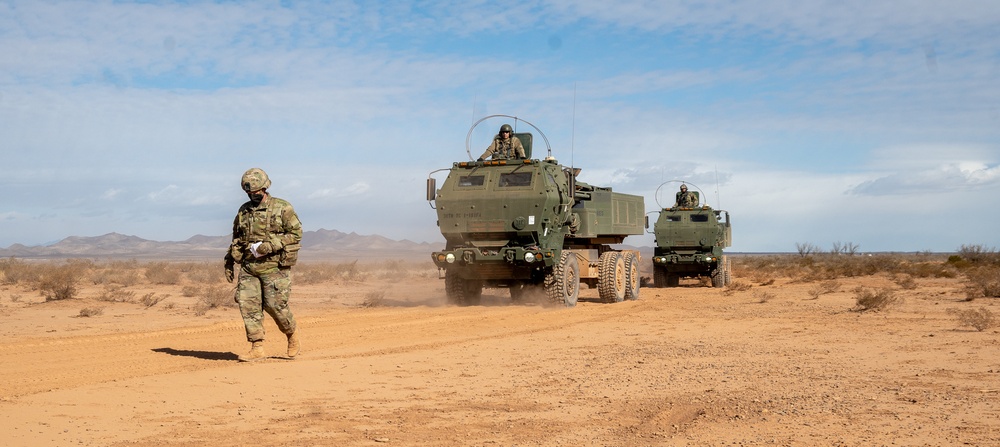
(293, 345)
(256, 352)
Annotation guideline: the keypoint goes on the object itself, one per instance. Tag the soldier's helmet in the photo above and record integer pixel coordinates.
(255, 179)
(684, 187)
(506, 128)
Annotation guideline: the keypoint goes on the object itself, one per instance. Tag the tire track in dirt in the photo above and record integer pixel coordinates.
(39, 365)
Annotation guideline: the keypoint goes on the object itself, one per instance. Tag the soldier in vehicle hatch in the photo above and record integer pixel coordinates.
(266, 240)
(685, 198)
(505, 145)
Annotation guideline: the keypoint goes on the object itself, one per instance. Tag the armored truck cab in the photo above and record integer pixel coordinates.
(690, 243)
(525, 224)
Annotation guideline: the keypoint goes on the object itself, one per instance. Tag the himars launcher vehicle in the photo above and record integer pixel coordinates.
(529, 224)
(689, 244)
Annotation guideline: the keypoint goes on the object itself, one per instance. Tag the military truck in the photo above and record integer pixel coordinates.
(528, 225)
(690, 242)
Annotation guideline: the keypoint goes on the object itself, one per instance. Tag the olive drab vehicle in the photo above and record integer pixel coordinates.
(690, 242)
(529, 225)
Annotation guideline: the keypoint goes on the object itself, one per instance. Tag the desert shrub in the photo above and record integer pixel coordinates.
(117, 294)
(823, 288)
(312, 273)
(932, 270)
(162, 273)
(374, 298)
(874, 300)
(830, 266)
(736, 286)
(978, 254)
(326, 272)
(90, 312)
(116, 272)
(59, 282)
(213, 297)
(151, 299)
(206, 273)
(982, 282)
(391, 270)
(14, 271)
(190, 291)
(904, 281)
(763, 296)
(979, 319)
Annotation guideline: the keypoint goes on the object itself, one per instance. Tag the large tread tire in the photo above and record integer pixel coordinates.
(632, 278)
(673, 280)
(611, 277)
(729, 271)
(719, 277)
(659, 276)
(461, 291)
(562, 283)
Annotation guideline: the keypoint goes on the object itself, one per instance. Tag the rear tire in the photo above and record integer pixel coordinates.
(632, 279)
(611, 277)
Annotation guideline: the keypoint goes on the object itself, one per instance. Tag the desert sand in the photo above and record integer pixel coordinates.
(686, 366)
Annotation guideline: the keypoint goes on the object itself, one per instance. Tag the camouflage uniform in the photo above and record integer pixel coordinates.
(503, 149)
(686, 199)
(265, 282)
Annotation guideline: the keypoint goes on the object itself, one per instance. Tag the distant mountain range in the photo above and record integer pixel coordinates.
(316, 245)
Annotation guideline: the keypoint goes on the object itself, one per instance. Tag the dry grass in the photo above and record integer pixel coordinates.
(116, 294)
(374, 298)
(823, 288)
(763, 296)
(736, 286)
(213, 297)
(875, 300)
(979, 319)
(982, 282)
(87, 312)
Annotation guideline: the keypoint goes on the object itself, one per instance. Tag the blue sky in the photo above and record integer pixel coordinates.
(865, 122)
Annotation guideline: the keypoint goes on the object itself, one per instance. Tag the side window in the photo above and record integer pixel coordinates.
(699, 218)
(515, 179)
(471, 180)
(673, 218)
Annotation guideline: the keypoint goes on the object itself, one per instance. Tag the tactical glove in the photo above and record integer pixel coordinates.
(230, 274)
(265, 249)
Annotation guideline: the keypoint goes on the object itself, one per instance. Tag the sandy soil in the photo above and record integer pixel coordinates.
(684, 366)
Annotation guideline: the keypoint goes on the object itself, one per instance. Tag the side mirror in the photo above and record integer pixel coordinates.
(431, 189)
(647, 221)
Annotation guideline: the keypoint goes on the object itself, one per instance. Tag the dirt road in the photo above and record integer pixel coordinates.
(685, 366)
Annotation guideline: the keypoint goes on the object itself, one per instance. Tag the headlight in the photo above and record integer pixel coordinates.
(450, 258)
(529, 257)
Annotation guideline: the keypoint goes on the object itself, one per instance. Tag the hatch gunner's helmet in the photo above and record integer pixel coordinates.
(255, 179)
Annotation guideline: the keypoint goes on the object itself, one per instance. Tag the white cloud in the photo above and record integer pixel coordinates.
(355, 189)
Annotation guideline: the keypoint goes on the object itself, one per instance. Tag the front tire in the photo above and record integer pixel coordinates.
(461, 291)
(562, 284)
